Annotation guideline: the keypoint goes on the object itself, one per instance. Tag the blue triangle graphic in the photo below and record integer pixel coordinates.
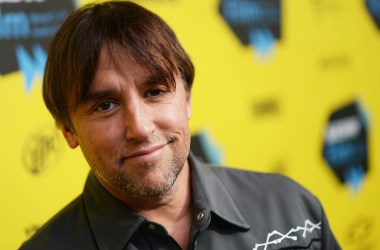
(354, 177)
(262, 40)
(30, 66)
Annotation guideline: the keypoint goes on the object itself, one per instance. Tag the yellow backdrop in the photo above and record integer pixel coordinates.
(265, 112)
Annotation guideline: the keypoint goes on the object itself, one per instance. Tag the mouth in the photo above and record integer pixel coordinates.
(145, 152)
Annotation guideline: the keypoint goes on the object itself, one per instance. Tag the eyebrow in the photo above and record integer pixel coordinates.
(92, 96)
(153, 79)
(97, 95)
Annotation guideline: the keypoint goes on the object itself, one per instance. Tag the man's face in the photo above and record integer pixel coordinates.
(132, 129)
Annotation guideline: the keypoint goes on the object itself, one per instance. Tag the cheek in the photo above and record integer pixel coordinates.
(100, 136)
(174, 117)
(100, 147)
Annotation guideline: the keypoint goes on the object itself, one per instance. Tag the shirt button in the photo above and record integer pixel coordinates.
(151, 227)
(200, 216)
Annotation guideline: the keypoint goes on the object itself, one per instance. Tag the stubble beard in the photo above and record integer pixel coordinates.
(144, 188)
(140, 187)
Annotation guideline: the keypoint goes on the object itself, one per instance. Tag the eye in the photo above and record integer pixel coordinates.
(155, 92)
(105, 106)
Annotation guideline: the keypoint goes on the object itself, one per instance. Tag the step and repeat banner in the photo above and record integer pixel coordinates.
(287, 86)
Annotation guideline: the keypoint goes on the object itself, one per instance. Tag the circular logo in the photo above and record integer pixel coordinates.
(42, 150)
(360, 233)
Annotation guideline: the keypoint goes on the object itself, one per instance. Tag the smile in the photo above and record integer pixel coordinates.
(145, 154)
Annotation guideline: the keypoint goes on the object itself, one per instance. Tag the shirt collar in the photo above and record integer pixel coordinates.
(113, 223)
(209, 193)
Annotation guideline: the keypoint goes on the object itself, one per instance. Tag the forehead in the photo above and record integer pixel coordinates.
(117, 60)
(115, 56)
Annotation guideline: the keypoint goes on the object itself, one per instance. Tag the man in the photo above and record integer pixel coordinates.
(118, 84)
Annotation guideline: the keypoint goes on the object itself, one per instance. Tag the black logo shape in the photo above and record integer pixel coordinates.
(373, 7)
(28, 26)
(255, 22)
(346, 144)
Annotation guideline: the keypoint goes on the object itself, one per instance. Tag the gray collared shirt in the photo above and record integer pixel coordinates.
(233, 209)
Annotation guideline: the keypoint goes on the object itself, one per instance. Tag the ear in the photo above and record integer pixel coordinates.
(188, 107)
(69, 135)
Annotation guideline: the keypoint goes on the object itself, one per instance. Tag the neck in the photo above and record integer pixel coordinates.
(170, 207)
(173, 211)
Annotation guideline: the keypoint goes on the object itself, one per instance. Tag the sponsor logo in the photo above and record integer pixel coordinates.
(346, 145)
(204, 148)
(254, 22)
(280, 166)
(266, 107)
(31, 229)
(42, 150)
(373, 7)
(360, 233)
(26, 28)
(337, 61)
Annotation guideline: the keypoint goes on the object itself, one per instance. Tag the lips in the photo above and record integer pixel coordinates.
(145, 152)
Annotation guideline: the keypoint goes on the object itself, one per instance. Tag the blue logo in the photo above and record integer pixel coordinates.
(26, 28)
(31, 65)
(254, 22)
(346, 144)
(205, 148)
(373, 7)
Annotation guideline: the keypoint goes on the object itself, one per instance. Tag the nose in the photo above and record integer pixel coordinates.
(138, 120)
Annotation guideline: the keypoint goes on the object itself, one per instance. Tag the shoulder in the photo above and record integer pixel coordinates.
(270, 193)
(257, 181)
(273, 205)
(66, 226)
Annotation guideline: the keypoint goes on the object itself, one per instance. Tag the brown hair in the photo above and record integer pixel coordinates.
(74, 51)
